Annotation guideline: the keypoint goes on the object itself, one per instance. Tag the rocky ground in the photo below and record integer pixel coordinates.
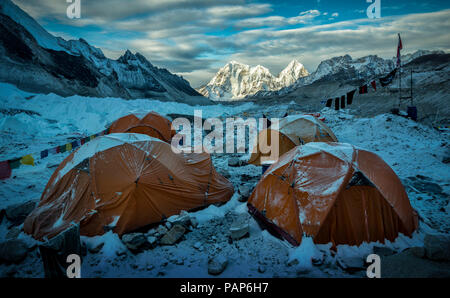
(224, 241)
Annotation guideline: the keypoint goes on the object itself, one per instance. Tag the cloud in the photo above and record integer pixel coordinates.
(195, 38)
(278, 21)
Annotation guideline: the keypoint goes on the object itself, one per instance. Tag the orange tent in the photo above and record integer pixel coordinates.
(292, 131)
(122, 182)
(152, 124)
(334, 193)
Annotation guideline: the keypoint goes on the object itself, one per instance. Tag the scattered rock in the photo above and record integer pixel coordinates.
(418, 251)
(424, 184)
(151, 232)
(168, 225)
(261, 269)
(245, 192)
(446, 159)
(135, 242)
(198, 245)
(351, 264)
(239, 228)
(13, 251)
(173, 235)
(18, 212)
(179, 262)
(184, 219)
(161, 230)
(96, 248)
(217, 265)
(152, 240)
(407, 265)
(235, 162)
(225, 173)
(293, 262)
(383, 251)
(13, 233)
(437, 247)
(194, 222)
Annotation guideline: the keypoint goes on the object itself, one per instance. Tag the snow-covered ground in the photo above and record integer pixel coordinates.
(45, 121)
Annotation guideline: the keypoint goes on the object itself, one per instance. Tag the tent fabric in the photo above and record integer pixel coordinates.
(123, 182)
(151, 124)
(308, 191)
(293, 130)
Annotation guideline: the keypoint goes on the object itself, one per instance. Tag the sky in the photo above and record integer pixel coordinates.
(195, 38)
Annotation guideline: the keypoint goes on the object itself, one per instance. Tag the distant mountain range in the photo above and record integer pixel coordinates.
(235, 80)
(36, 61)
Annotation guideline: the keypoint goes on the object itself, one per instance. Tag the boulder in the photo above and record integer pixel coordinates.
(135, 242)
(183, 219)
(198, 245)
(18, 212)
(417, 251)
(13, 251)
(96, 248)
(152, 240)
(161, 230)
(351, 264)
(245, 192)
(217, 264)
(437, 247)
(235, 162)
(173, 235)
(194, 222)
(239, 228)
(383, 251)
(13, 233)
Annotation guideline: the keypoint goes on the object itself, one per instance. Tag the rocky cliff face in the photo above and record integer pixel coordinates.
(37, 61)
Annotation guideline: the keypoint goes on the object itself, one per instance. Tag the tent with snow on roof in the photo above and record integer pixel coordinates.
(151, 124)
(123, 182)
(334, 193)
(293, 131)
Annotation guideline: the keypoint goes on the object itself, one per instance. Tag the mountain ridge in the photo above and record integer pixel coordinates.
(130, 76)
(237, 80)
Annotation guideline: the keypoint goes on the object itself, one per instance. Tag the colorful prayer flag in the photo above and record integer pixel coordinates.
(44, 154)
(350, 97)
(363, 89)
(5, 170)
(343, 102)
(374, 85)
(388, 79)
(69, 147)
(399, 48)
(14, 163)
(27, 160)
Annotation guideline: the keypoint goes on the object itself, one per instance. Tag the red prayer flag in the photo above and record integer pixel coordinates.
(374, 85)
(399, 48)
(5, 170)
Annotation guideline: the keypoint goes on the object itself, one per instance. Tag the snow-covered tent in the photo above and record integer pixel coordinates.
(123, 182)
(293, 131)
(151, 124)
(334, 193)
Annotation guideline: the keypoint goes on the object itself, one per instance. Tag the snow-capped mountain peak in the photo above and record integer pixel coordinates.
(292, 73)
(237, 80)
